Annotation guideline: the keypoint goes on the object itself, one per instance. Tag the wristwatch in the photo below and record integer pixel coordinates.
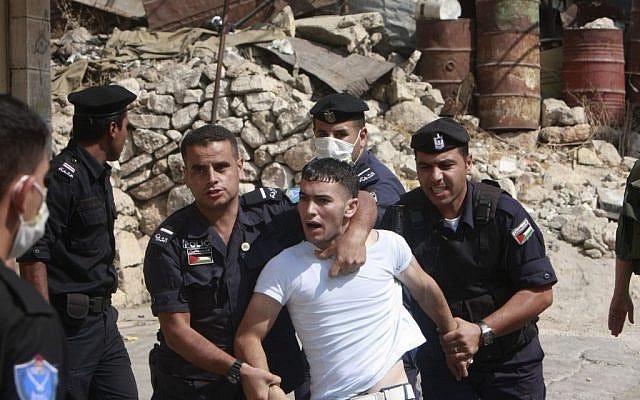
(487, 335)
(234, 372)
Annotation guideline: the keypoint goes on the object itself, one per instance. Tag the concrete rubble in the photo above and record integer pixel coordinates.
(571, 181)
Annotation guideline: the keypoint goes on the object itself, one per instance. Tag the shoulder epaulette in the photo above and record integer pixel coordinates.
(163, 235)
(262, 195)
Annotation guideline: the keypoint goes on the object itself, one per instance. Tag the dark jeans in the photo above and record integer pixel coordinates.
(519, 378)
(98, 363)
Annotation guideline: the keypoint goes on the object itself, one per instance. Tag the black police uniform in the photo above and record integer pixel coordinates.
(495, 251)
(31, 342)
(188, 268)
(78, 248)
(377, 179)
(627, 245)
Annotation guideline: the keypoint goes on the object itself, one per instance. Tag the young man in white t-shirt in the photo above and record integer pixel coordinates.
(354, 328)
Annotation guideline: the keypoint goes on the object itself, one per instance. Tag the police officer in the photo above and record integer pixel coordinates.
(488, 256)
(31, 338)
(200, 268)
(72, 265)
(627, 254)
(340, 132)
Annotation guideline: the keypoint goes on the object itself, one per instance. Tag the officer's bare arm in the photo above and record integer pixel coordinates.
(256, 323)
(621, 306)
(199, 351)
(350, 251)
(524, 306)
(35, 272)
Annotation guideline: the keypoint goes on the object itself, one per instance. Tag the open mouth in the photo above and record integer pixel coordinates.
(312, 225)
(438, 189)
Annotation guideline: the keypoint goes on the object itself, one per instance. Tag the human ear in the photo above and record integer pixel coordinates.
(351, 207)
(20, 191)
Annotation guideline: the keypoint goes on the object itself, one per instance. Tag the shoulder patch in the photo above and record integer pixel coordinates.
(293, 194)
(36, 379)
(522, 232)
(163, 235)
(67, 171)
(262, 195)
(367, 176)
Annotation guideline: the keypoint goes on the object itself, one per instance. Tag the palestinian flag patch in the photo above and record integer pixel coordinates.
(522, 232)
(200, 256)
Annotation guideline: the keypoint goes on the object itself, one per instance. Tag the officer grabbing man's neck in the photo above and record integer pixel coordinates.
(443, 163)
(339, 127)
(100, 121)
(23, 166)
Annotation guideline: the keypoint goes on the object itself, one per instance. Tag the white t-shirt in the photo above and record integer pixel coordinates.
(353, 328)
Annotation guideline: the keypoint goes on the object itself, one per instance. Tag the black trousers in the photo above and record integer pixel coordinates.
(169, 387)
(519, 378)
(98, 363)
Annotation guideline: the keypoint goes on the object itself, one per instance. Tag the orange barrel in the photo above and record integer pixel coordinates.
(508, 64)
(593, 72)
(633, 53)
(446, 53)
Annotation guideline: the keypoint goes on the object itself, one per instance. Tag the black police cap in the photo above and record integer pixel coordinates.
(439, 136)
(101, 101)
(339, 107)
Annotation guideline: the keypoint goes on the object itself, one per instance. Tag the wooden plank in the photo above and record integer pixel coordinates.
(4, 35)
(124, 8)
(173, 14)
(353, 74)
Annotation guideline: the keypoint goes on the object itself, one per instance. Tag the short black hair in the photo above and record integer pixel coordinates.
(23, 138)
(332, 170)
(90, 129)
(208, 133)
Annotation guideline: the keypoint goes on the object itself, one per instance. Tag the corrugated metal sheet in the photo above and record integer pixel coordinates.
(172, 14)
(125, 8)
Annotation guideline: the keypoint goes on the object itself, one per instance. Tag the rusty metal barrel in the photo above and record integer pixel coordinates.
(508, 64)
(446, 53)
(593, 72)
(633, 53)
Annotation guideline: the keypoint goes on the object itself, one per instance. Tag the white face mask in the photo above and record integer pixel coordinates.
(30, 232)
(328, 147)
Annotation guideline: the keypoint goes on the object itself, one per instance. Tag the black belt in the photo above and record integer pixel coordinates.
(93, 304)
(99, 305)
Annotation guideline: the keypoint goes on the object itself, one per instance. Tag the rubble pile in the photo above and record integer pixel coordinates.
(570, 190)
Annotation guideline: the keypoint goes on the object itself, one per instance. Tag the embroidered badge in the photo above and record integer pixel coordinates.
(366, 175)
(329, 116)
(163, 235)
(200, 256)
(438, 142)
(522, 232)
(36, 379)
(269, 193)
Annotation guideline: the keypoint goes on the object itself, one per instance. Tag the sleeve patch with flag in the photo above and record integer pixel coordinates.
(522, 232)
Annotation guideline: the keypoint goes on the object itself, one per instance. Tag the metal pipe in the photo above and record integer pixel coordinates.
(254, 12)
(216, 86)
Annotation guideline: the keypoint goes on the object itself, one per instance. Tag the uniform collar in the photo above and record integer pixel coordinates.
(363, 161)
(200, 224)
(467, 206)
(93, 166)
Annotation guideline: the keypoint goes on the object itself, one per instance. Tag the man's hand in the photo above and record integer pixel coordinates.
(458, 368)
(621, 307)
(349, 254)
(463, 342)
(276, 393)
(256, 382)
